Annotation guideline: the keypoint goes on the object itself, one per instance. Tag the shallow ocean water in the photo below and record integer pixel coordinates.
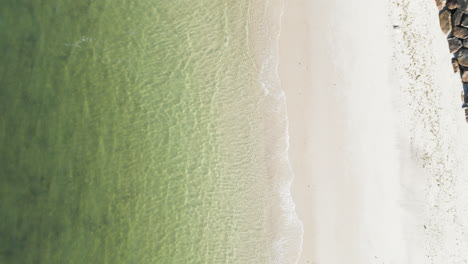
(129, 133)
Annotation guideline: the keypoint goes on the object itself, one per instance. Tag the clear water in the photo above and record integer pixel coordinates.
(131, 132)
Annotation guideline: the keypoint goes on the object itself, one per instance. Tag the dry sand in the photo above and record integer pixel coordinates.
(334, 70)
(375, 125)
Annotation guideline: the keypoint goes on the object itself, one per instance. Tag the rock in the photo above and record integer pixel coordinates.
(455, 65)
(465, 76)
(464, 22)
(464, 97)
(462, 57)
(445, 18)
(465, 43)
(460, 32)
(457, 17)
(440, 4)
(451, 4)
(462, 4)
(454, 44)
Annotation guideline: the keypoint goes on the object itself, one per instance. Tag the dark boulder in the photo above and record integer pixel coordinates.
(464, 22)
(451, 4)
(465, 76)
(440, 4)
(455, 65)
(457, 17)
(460, 32)
(445, 18)
(462, 4)
(462, 57)
(454, 44)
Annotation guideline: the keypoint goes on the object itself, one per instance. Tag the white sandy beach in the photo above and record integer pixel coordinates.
(376, 133)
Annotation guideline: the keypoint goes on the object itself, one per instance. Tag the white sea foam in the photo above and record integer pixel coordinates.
(288, 228)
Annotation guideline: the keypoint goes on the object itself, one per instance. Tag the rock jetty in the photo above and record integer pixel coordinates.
(453, 18)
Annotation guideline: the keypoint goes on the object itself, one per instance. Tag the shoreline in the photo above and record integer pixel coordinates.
(293, 69)
(286, 228)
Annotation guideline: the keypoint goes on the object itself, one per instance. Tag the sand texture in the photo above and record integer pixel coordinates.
(376, 132)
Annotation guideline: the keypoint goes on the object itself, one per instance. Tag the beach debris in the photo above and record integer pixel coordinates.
(454, 44)
(445, 18)
(77, 43)
(455, 65)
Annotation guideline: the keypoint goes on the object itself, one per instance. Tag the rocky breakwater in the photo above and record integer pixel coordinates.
(453, 17)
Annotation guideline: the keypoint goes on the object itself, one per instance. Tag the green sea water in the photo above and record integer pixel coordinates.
(129, 133)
